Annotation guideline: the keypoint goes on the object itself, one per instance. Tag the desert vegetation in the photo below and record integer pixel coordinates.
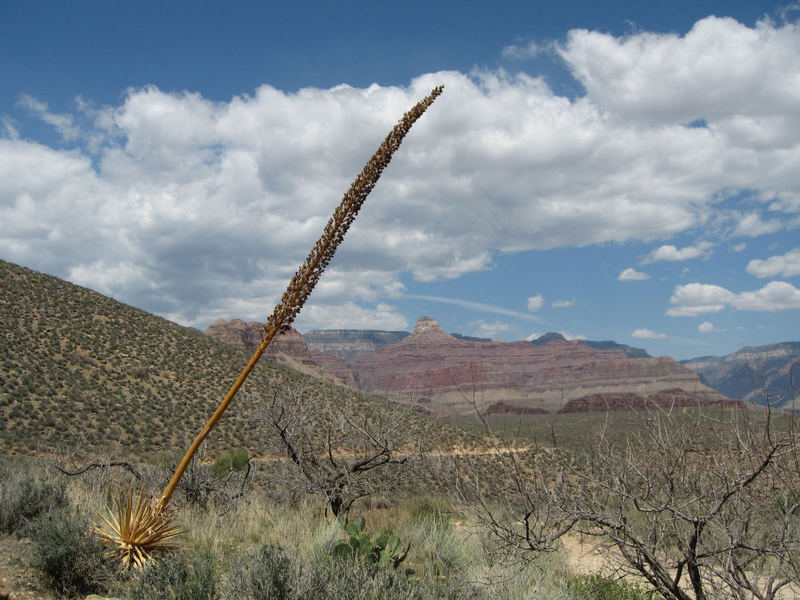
(312, 490)
(244, 504)
(699, 503)
(270, 546)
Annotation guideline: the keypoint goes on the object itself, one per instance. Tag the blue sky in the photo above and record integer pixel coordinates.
(609, 170)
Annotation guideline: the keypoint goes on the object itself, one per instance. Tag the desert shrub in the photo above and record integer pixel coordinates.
(72, 560)
(597, 587)
(234, 460)
(427, 507)
(24, 496)
(263, 574)
(172, 578)
(270, 572)
(327, 578)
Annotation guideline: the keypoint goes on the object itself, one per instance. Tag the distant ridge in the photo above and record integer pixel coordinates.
(349, 343)
(438, 372)
(754, 373)
(630, 351)
(448, 376)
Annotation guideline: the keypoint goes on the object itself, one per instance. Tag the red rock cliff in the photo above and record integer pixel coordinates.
(248, 336)
(450, 376)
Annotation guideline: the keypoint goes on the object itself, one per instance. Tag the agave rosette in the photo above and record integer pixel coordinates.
(136, 530)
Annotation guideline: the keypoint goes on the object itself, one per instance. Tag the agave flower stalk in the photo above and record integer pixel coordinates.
(124, 531)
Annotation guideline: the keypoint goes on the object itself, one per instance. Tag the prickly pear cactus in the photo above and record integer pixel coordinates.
(381, 551)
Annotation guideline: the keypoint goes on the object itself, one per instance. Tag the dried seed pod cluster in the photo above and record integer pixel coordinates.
(309, 273)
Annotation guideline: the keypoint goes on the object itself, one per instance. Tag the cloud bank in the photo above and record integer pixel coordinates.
(701, 298)
(185, 206)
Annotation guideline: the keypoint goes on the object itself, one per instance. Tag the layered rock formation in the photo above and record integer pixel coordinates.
(288, 347)
(630, 351)
(450, 376)
(755, 374)
(346, 344)
(626, 401)
(439, 373)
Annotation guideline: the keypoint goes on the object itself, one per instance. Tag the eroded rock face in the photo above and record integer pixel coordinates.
(346, 344)
(627, 401)
(248, 336)
(446, 375)
(755, 374)
(452, 376)
(428, 330)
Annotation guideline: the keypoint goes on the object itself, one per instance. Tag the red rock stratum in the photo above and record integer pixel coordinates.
(445, 375)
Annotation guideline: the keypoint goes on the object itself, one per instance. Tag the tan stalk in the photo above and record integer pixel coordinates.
(136, 534)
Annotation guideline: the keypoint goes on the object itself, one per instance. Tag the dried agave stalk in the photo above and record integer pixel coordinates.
(137, 533)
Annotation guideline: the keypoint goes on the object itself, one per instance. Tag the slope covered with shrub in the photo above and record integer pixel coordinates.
(79, 370)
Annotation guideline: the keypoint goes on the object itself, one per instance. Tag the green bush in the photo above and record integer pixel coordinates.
(597, 587)
(23, 497)
(272, 573)
(325, 578)
(234, 460)
(171, 578)
(72, 560)
(263, 574)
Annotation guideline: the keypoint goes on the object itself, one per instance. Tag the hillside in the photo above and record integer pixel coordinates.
(754, 373)
(82, 372)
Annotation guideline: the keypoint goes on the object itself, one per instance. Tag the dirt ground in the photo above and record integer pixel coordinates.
(17, 580)
(583, 555)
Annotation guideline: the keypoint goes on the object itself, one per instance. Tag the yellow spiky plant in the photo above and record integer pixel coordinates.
(136, 530)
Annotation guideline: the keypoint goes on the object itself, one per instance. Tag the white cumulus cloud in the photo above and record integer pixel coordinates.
(631, 274)
(182, 205)
(351, 316)
(535, 302)
(63, 124)
(522, 51)
(572, 336)
(721, 71)
(785, 265)
(706, 327)
(489, 330)
(695, 299)
(648, 334)
(751, 225)
(671, 253)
